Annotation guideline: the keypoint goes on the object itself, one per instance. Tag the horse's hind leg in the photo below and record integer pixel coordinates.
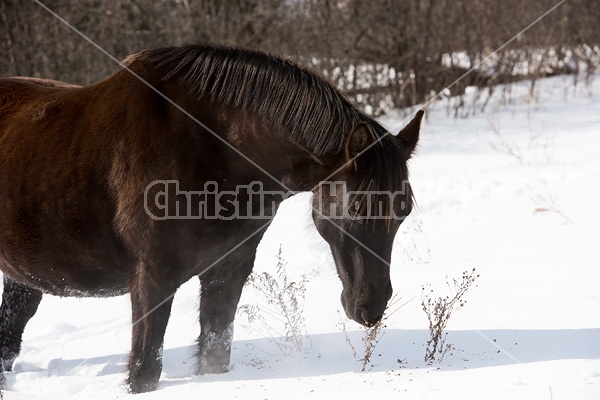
(19, 304)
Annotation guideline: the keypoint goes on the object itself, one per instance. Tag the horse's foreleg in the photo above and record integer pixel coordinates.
(221, 288)
(19, 304)
(151, 307)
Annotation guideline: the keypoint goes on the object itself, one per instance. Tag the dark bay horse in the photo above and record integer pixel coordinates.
(86, 206)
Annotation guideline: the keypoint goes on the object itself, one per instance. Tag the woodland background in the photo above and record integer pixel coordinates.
(382, 54)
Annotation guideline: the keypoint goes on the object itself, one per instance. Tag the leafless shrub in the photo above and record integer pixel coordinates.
(370, 339)
(283, 316)
(440, 310)
(502, 145)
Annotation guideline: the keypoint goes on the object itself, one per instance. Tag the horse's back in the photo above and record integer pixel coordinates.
(36, 82)
(17, 92)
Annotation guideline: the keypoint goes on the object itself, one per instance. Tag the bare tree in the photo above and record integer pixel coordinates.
(381, 53)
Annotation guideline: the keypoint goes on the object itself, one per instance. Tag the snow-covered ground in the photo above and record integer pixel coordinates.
(513, 192)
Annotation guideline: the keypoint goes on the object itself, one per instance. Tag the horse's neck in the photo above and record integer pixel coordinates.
(250, 148)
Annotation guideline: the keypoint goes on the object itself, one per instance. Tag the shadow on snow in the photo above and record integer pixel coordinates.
(328, 354)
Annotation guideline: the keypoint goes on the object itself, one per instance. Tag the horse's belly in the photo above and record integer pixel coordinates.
(64, 264)
(76, 289)
(70, 282)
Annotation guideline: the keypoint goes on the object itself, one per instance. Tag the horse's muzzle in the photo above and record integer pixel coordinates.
(367, 316)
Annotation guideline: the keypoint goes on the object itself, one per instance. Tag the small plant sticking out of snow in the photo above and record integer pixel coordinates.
(546, 204)
(440, 310)
(538, 150)
(371, 338)
(283, 316)
(372, 335)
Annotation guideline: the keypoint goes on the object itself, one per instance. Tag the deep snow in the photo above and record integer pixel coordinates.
(528, 222)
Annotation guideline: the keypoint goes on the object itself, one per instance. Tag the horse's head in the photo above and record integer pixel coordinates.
(359, 210)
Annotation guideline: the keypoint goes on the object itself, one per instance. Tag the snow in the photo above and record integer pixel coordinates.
(528, 222)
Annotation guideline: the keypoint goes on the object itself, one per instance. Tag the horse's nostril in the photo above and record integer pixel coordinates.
(363, 316)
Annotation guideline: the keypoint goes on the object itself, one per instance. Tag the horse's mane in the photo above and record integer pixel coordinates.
(312, 112)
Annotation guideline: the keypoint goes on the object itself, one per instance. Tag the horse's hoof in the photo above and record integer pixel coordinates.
(213, 369)
(141, 387)
(6, 363)
(140, 382)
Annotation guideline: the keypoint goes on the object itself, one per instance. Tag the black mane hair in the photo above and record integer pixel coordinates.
(311, 110)
(314, 114)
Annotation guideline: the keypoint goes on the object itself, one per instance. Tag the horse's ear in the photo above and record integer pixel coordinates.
(409, 136)
(359, 139)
